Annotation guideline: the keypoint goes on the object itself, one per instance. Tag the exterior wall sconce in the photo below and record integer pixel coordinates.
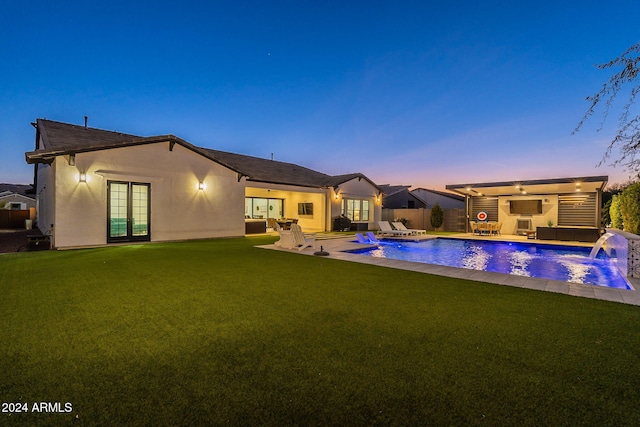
(201, 185)
(337, 196)
(83, 177)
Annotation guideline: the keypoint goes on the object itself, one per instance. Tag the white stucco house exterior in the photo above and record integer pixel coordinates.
(96, 187)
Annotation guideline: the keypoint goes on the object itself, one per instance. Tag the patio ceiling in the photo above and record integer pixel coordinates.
(588, 184)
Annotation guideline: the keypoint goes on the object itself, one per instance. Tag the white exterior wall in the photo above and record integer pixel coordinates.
(179, 210)
(357, 189)
(509, 221)
(293, 195)
(45, 198)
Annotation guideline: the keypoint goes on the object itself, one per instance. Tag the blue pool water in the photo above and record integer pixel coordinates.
(565, 263)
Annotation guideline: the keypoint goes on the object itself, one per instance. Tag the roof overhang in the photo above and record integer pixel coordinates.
(588, 184)
(48, 155)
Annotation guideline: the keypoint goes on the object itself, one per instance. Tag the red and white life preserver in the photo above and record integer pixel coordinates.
(482, 216)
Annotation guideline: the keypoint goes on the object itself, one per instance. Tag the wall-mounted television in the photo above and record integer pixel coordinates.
(525, 207)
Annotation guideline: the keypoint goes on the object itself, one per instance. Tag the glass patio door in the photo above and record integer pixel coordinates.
(129, 209)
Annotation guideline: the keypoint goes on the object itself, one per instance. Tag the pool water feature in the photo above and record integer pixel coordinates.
(565, 263)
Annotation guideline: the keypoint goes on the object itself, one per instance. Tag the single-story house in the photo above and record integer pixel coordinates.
(559, 208)
(399, 197)
(442, 198)
(95, 187)
(16, 201)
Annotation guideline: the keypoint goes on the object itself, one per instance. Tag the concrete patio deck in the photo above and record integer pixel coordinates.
(337, 246)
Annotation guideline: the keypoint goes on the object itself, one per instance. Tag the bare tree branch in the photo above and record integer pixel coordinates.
(627, 138)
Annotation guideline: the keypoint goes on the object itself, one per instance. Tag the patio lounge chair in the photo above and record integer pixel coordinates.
(362, 239)
(400, 226)
(372, 238)
(301, 240)
(286, 239)
(386, 230)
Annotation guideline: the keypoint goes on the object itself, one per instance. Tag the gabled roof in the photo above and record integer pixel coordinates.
(440, 193)
(390, 190)
(264, 170)
(341, 179)
(64, 139)
(9, 195)
(61, 139)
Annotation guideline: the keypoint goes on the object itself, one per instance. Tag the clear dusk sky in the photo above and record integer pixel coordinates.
(419, 93)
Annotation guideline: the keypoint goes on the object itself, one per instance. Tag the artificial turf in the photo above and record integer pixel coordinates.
(221, 332)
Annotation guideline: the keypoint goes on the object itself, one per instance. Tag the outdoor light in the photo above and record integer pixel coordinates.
(337, 196)
(83, 177)
(201, 186)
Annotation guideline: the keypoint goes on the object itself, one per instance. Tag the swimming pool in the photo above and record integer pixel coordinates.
(565, 263)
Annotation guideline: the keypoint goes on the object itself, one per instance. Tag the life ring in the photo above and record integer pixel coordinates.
(482, 216)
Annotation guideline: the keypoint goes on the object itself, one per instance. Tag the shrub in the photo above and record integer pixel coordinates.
(630, 208)
(437, 216)
(614, 212)
(404, 221)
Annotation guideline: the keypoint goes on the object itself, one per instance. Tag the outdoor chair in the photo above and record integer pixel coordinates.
(286, 239)
(372, 238)
(400, 226)
(386, 230)
(273, 224)
(361, 239)
(495, 228)
(301, 239)
(474, 227)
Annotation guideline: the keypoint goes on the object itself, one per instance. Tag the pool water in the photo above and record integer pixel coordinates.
(565, 263)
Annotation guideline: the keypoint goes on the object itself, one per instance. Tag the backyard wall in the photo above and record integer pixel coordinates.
(454, 218)
(625, 248)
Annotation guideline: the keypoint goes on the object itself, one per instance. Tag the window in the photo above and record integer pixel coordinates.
(257, 207)
(305, 208)
(356, 209)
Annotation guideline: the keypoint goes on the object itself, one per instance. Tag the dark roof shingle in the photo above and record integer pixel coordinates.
(63, 138)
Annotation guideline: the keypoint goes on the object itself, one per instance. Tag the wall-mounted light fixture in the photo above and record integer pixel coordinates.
(82, 177)
(72, 159)
(337, 196)
(201, 185)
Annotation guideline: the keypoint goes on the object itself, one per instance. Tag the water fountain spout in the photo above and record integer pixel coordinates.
(599, 244)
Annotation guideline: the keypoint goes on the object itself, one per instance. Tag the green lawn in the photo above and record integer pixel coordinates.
(219, 332)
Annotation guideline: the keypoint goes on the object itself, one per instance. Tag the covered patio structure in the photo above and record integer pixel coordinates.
(549, 209)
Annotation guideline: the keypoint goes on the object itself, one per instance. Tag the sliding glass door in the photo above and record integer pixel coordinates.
(128, 211)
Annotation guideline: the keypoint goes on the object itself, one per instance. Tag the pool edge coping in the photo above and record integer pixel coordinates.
(337, 249)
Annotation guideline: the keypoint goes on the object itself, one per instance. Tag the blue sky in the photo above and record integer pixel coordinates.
(416, 93)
